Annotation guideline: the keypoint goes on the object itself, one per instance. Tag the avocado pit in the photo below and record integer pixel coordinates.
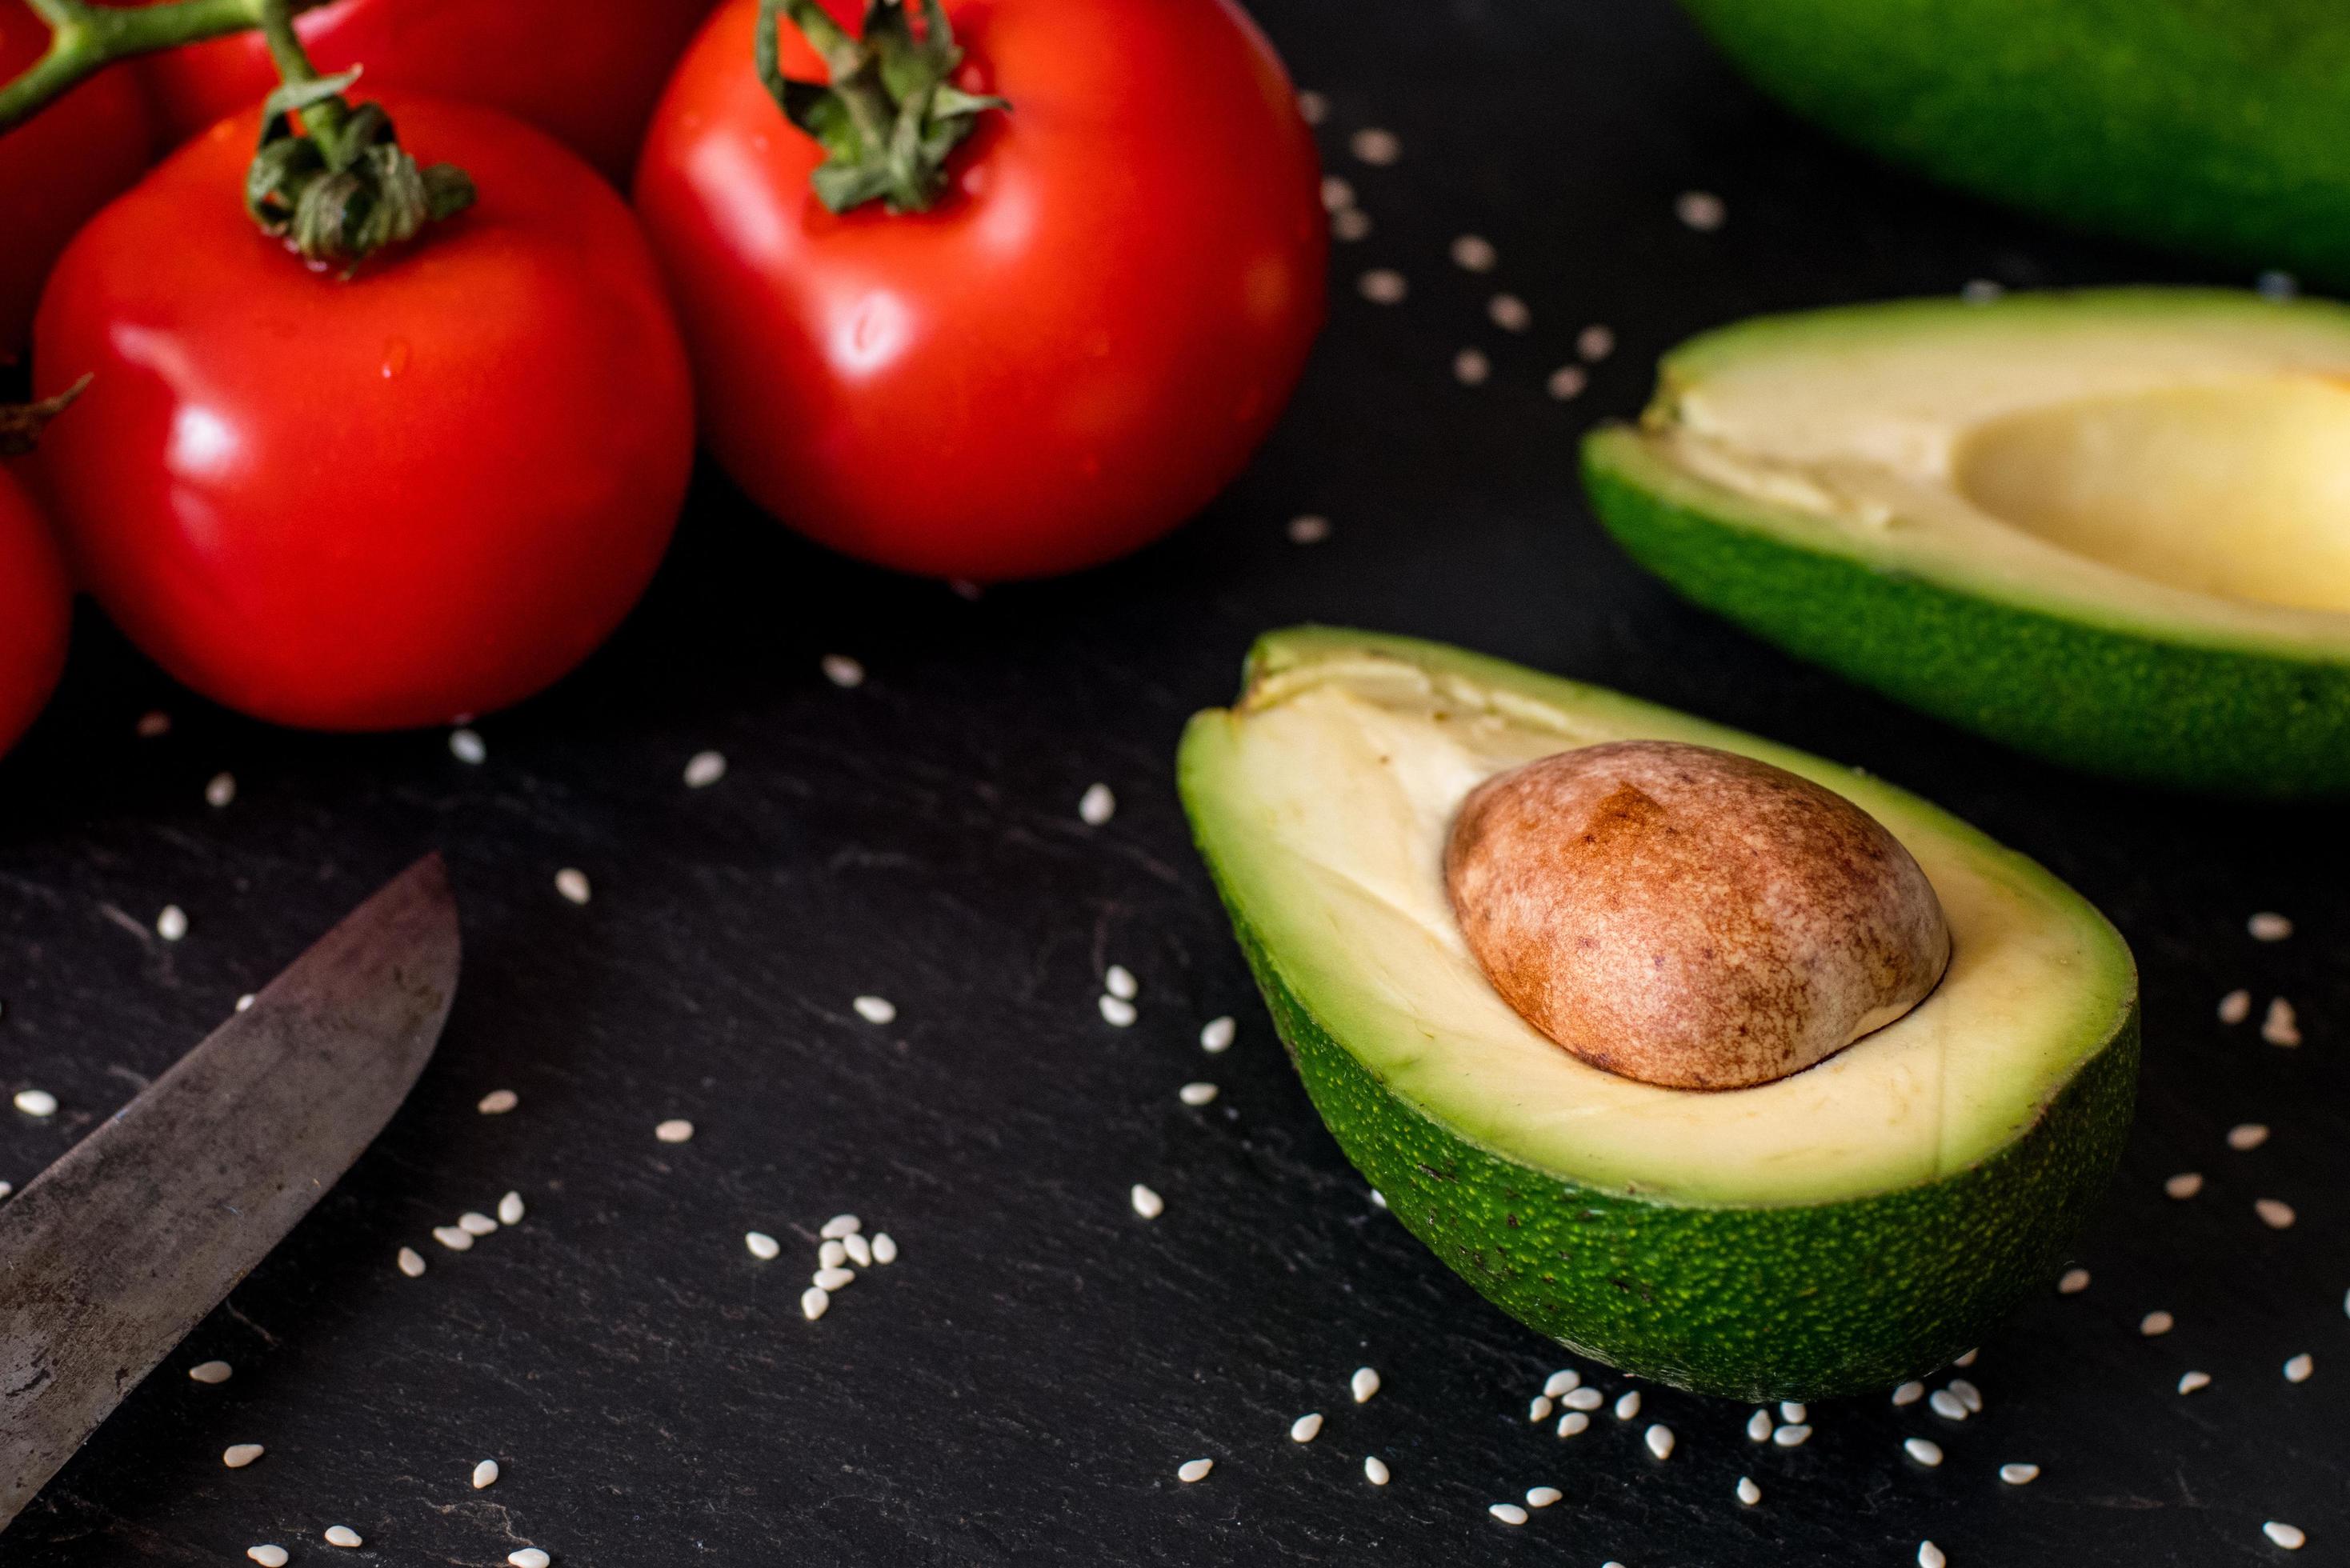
(1691, 917)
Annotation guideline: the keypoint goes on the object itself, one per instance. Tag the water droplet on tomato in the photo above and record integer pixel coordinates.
(395, 357)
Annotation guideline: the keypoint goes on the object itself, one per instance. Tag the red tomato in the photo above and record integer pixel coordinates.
(371, 503)
(588, 73)
(57, 169)
(1069, 354)
(36, 607)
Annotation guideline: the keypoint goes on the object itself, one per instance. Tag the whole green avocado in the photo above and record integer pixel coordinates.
(2214, 126)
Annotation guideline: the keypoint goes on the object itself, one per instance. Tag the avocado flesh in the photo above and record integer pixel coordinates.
(2110, 527)
(1838, 1230)
(2210, 125)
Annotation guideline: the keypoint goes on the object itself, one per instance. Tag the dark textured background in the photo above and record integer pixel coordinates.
(1020, 1387)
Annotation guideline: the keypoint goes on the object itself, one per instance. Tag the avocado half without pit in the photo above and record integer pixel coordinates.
(1813, 1139)
(2109, 527)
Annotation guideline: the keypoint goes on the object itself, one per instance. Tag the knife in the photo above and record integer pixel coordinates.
(110, 1257)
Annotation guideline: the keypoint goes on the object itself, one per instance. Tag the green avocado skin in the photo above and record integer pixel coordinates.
(2109, 701)
(1750, 1303)
(2216, 126)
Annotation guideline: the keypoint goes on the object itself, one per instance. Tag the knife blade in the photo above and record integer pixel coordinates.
(110, 1257)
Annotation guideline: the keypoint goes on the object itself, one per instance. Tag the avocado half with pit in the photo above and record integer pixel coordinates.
(2109, 527)
(1858, 1223)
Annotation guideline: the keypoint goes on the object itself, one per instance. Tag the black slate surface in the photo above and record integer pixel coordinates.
(1021, 1385)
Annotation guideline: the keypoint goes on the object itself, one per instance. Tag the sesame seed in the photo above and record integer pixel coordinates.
(1539, 1407)
(842, 670)
(1794, 1411)
(154, 724)
(1379, 1201)
(1097, 805)
(1566, 1380)
(2019, 1475)
(2157, 1322)
(498, 1102)
(456, 1238)
(831, 1280)
(1571, 1423)
(1629, 1405)
(474, 1222)
(1792, 1437)
(467, 747)
(1363, 1383)
(2236, 1006)
(6, 1188)
(832, 1254)
(1376, 147)
(1981, 291)
(511, 1209)
(1310, 529)
(1908, 1393)
(2188, 1382)
(677, 1129)
(1582, 1399)
(528, 1557)
(1946, 1404)
(1543, 1496)
(813, 1303)
(485, 1475)
(1568, 383)
(885, 1250)
(1507, 1513)
(1147, 1203)
(268, 1556)
(1116, 1010)
(2075, 1281)
(1192, 1470)
(1700, 210)
(2299, 1368)
(220, 791)
(704, 768)
(1383, 286)
(2275, 1213)
(173, 923)
(2275, 285)
(1758, 1427)
(247, 999)
(2285, 1535)
(1337, 195)
(1475, 252)
(236, 1455)
(1119, 982)
(2268, 926)
(342, 1535)
(1470, 368)
(2184, 1185)
(572, 883)
(1748, 1492)
(1931, 1555)
(1659, 1438)
(1375, 1470)
(1968, 1360)
(1968, 1395)
(1196, 1094)
(1509, 313)
(1216, 1036)
(211, 1372)
(1306, 1427)
(2281, 1027)
(36, 1101)
(1925, 1451)
(764, 1247)
(859, 1250)
(411, 1262)
(875, 1009)
(1595, 342)
(1350, 224)
(2245, 1137)
(1311, 107)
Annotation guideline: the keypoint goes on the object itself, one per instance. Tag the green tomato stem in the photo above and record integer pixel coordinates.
(85, 39)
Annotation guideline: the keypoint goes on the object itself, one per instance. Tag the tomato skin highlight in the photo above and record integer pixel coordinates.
(588, 73)
(1068, 356)
(36, 611)
(57, 167)
(365, 504)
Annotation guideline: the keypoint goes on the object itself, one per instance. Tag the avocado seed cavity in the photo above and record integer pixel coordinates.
(1688, 917)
